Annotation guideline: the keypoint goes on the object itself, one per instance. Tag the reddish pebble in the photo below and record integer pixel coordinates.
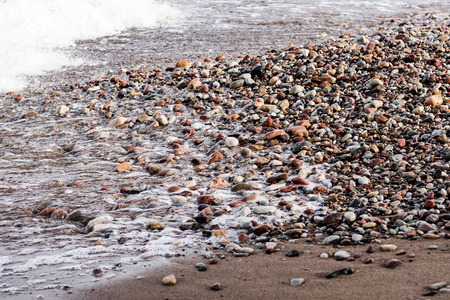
(392, 263)
(243, 237)
(261, 229)
(173, 189)
(59, 214)
(216, 157)
(429, 204)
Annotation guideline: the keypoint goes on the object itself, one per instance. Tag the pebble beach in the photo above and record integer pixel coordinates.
(323, 164)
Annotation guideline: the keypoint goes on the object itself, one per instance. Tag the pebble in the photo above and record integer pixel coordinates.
(350, 216)
(341, 255)
(331, 239)
(201, 267)
(169, 280)
(437, 286)
(392, 263)
(231, 142)
(388, 247)
(340, 271)
(297, 281)
(216, 286)
(119, 121)
(293, 253)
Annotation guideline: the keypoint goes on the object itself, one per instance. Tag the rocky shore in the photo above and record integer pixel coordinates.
(342, 143)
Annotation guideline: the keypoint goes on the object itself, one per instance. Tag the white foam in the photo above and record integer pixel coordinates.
(35, 34)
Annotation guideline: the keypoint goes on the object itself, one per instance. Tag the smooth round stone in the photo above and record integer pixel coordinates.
(331, 239)
(363, 180)
(388, 247)
(357, 237)
(341, 255)
(162, 120)
(201, 267)
(324, 255)
(350, 216)
(231, 142)
(238, 179)
(297, 281)
(433, 247)
(245, 211)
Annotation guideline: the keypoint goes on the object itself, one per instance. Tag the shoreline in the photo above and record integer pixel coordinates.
(270, 193)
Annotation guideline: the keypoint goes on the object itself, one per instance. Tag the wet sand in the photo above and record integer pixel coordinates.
(263, 276)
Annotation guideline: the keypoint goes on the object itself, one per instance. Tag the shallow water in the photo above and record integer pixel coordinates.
(39, 253)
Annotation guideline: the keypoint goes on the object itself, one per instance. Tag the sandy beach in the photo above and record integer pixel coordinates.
(264, 276)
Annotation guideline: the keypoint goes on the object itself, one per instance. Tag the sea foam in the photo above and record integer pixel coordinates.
(35, 34)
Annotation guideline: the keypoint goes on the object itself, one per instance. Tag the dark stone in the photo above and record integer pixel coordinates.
(341, 271)
(293, 253)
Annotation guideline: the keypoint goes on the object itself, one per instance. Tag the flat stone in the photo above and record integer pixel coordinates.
(236, 84)
(297, 281)
(431, 236)
(117, 121)
(341, 271)
(437, 286)
(330, 239)
(370, 225)
(388, 247)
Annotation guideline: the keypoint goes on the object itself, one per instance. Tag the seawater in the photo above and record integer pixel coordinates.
(35, 34)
